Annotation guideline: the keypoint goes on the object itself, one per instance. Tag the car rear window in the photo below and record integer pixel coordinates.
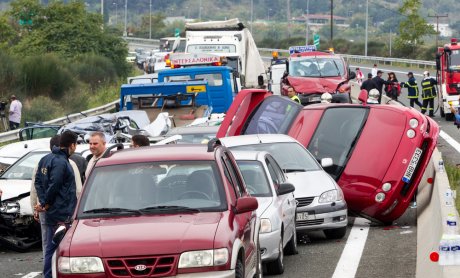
(190, 184)
(336, 136)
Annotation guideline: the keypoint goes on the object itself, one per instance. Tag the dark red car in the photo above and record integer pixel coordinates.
(379, 152)
(313, 73)
(168, 211)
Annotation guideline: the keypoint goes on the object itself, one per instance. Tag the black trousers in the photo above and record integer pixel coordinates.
(428, 104)
(415, 100)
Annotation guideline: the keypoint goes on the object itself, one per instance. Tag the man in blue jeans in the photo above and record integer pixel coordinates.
(56, 191)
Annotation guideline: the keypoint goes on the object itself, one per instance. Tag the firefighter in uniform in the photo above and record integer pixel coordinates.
(428, 93)
(412, 90)
(293, 95)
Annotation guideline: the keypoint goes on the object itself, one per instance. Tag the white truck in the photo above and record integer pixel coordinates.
(232, 40)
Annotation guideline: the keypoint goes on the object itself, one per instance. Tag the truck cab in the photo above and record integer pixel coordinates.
(448, 75)
(312, 73)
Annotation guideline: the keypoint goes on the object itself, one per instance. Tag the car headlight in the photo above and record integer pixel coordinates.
(203, 258)
(80, 265)
(329, 196)
(10, 207)
(265, 225)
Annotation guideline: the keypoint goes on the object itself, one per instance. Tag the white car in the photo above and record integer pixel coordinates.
(266, 181)
(320, 201)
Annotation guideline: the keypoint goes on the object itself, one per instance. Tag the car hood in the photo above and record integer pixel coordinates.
(264, 203)
(14, 188)
(305, 85)
(144, 235)
(311, 183)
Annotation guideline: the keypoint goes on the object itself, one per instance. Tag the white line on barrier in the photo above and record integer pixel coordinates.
(387, 70)
(351, 255)
(450, 140)
(32, 274)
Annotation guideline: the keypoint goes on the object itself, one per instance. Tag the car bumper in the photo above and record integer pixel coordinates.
(269, 245)
(212, 274)
(325, 217)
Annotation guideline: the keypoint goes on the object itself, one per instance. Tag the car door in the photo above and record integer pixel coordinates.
(286, 201)
(246, 222)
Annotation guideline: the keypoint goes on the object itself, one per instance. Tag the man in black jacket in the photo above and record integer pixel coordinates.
(368, 84)
(379, 82)
(56, 190)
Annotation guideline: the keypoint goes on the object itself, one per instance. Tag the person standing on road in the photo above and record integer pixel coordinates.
(374, 71)
(412, 89)
(56, 190)
(293, 95)
(428, 93)
(39, 214)
(393, 88)
(97, 148)
(359, 76)
(15, 113)
(369, 84)
(379, 82)
(139, 140)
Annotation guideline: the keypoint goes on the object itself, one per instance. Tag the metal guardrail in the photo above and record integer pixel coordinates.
(14, 134)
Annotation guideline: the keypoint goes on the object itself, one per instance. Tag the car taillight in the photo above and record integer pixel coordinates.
(386, 187)
(413, 123)
(410, 133)
(379, 197)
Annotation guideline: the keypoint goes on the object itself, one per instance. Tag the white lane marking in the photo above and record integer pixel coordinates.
(351, 255)
(450, 140)
(386, 70)
(32, 274)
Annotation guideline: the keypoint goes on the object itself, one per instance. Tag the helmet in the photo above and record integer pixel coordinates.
(326, 98)
(373, 96)
(426, 73)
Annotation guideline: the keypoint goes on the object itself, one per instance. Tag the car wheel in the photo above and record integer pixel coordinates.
(277, 266)
(336, 233)
(291, 247)
(239, 269)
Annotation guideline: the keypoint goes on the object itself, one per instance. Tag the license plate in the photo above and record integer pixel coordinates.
(301, 216)
(413, 163)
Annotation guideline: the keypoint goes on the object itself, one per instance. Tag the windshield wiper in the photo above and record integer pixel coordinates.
(169, 208)
(294, 170)
(336, 67)
(113, 211)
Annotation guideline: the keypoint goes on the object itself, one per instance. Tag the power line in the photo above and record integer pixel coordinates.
(437, 24)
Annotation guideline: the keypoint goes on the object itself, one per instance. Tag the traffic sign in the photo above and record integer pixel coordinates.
(316, 40)
(177, 32)
(300, 49)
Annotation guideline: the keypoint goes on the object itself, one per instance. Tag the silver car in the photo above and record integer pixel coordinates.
(320, 201)
(266, 181)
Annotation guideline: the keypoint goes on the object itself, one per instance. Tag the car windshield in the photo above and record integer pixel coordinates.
(316, 67)
(454, 63)
(152, 187)
(23, 168)
(336, 136)
(290, 156)
(255, 178)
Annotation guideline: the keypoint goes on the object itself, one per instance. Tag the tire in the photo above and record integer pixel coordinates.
(291, 247)
(277, 266)
(239, 269)
(336, 233)
(441, 111)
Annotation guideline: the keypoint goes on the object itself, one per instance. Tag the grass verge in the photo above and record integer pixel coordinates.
(453, 173)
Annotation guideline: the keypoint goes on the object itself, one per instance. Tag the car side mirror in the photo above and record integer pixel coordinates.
(59, 234)
(352, 75)
(327, 162)
(260, 80)
(246, 204)
(285, 188)
(363, 96)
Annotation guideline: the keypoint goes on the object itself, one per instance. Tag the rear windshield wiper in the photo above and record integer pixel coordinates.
(294, 170)
(113, 210)
(169, 209)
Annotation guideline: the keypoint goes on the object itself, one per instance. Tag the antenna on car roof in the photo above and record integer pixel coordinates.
(106, 153)
(212, 144)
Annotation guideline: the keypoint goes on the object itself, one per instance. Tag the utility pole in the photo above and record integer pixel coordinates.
(199, 12)
(125, 31)
(332, 22)
(102, 8)
(252, 14)
(289, 17)
(367, 23)
(437, 25)
(150, 20)
(306, 22)
(391, 34)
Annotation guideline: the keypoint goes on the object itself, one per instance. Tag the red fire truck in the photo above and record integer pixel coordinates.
(448, 74)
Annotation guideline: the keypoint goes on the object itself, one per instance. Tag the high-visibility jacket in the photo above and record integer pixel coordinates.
(428, 88)
(296, 99)
(412, 87)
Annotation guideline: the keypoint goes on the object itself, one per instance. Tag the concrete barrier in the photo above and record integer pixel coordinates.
(431, 216)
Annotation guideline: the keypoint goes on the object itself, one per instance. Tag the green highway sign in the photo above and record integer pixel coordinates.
(316, 40)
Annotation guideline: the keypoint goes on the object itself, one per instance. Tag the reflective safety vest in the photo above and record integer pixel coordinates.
(412, 87)
(428, 88)
(296, 99)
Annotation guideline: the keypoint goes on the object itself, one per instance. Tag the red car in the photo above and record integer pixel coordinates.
(313, 73)
(167, 211)
(379, 152)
